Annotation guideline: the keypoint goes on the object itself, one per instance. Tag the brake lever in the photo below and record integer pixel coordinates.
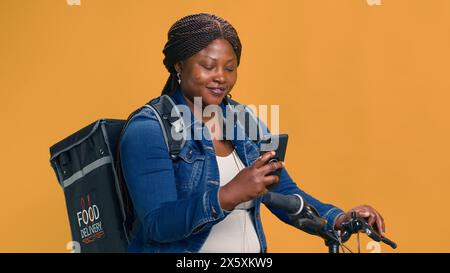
(356, 224)
(375, 236)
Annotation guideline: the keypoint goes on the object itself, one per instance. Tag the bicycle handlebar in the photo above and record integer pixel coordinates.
(305, 217)
(301, 214)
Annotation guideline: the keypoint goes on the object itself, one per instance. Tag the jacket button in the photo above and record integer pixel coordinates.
(189, 155)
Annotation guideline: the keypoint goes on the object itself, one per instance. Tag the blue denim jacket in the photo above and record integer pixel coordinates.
(176, 201)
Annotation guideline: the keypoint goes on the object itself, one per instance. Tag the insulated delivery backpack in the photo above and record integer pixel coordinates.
(87, 166)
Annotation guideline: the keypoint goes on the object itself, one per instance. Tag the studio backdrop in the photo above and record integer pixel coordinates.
(363, 89)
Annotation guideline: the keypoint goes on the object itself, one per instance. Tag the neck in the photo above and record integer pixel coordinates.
(212, 122)
(197, 111)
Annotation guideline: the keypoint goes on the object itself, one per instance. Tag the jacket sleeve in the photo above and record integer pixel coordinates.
(149, 175)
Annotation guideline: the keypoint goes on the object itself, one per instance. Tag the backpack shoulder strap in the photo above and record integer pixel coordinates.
(171, 123)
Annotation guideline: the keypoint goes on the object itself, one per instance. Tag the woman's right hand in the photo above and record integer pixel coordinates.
(250, 182)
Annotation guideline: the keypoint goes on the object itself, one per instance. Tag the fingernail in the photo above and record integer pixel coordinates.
(282, 162)
(273, 153)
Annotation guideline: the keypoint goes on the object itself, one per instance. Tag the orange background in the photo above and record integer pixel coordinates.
(363, 93)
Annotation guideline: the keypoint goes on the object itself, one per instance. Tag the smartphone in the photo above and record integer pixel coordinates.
(277, 143)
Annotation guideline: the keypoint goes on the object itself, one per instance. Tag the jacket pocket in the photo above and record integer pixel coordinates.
(188, 169)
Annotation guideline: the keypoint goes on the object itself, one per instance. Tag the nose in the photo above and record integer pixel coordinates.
(219, 76)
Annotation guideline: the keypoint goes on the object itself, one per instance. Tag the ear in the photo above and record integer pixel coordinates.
(179, 66)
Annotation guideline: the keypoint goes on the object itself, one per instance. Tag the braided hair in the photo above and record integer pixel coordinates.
(191, 34)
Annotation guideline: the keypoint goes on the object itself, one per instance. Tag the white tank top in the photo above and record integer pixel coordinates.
(236, 232)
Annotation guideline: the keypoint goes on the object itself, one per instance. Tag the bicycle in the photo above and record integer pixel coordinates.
(306, 218)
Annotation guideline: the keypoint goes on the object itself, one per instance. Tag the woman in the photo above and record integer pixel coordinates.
(208, 199)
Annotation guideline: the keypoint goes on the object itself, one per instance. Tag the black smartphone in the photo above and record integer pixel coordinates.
(277, 143)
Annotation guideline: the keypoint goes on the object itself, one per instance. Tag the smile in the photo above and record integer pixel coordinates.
(217, 91)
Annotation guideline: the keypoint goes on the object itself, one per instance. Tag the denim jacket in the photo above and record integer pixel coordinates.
(176, 201)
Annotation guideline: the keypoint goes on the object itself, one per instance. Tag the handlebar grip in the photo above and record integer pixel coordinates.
(293, 204)
(389, 242)
(374, 235)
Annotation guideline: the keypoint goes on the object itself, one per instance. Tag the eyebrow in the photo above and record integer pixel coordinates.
(232, 59)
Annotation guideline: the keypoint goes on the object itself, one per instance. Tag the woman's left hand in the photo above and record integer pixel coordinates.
(370, 214)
